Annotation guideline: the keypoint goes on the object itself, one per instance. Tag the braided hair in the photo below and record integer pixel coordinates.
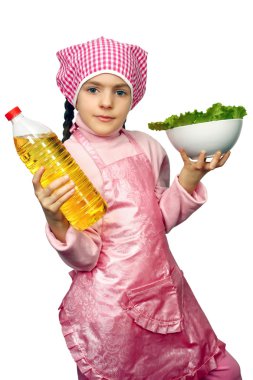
(68, 118)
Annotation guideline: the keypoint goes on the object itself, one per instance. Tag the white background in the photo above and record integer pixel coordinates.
(200, 52)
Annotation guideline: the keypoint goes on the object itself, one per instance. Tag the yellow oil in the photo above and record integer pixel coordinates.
(86, 206)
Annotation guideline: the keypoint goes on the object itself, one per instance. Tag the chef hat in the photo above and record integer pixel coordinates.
(80, 63)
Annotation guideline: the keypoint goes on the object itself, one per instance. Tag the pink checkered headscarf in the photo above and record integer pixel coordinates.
(79, 63)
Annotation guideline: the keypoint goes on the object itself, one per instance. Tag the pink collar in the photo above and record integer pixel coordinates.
(92, 136)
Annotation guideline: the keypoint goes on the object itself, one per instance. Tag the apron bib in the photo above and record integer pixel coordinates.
(134, 317)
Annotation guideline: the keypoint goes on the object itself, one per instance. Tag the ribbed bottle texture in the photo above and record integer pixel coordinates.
(86, 206)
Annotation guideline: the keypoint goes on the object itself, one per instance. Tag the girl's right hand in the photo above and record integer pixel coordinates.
(51, 199)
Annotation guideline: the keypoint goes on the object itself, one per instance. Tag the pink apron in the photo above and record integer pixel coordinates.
(134, 317)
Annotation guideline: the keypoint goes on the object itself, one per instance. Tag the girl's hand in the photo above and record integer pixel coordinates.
(51, 199)
(194, 171)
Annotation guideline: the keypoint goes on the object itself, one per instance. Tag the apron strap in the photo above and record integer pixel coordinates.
(132, 140)
(87, 145)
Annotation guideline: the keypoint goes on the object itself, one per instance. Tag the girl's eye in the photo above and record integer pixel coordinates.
(92, 90)
(120, 92)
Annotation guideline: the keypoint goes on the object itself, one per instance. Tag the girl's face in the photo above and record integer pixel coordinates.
(103, 103)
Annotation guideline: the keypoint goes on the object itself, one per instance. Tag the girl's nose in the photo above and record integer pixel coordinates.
(106, 100)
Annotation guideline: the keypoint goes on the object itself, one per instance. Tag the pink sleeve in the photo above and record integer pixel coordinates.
(81, 250)
(177, 204)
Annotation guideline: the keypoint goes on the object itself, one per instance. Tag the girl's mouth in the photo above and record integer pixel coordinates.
(104, 118)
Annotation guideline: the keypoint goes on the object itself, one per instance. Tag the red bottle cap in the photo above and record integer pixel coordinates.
(12, 113)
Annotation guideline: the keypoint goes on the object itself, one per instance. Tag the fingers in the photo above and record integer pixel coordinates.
(57, 184)
(36, 179)
(55, 194)
(201, 162)
(215, 160)
(53, 202)
(219, 160)
(184, 156)
(224, 159)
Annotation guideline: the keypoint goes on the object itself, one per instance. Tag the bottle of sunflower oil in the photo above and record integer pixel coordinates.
(37, 145)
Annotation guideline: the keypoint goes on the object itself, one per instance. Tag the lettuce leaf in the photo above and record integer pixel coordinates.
(216, 112)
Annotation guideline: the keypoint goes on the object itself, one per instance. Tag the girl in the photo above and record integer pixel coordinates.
(130, 313)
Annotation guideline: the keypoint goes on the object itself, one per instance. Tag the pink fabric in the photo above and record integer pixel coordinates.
(228, 369)
(82, 250)
(134, 316)
(79, 63)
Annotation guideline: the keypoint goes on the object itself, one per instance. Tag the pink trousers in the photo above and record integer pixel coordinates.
(228, 369)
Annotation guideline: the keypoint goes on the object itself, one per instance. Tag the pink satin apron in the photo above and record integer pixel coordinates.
(134, 317)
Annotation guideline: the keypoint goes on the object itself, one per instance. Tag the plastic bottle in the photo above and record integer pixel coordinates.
(38, 146)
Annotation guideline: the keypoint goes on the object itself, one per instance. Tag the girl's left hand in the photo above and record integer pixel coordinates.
(194, 171)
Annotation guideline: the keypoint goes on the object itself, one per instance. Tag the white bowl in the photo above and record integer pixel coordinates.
(210, 137)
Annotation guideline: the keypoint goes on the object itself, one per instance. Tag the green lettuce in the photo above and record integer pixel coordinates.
(216, 112)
